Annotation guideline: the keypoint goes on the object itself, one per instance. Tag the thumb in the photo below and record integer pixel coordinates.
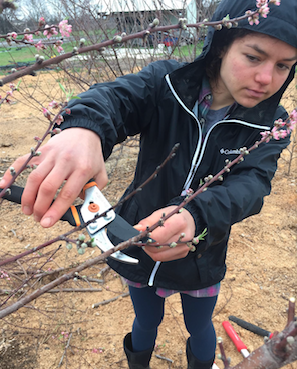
(139, 227)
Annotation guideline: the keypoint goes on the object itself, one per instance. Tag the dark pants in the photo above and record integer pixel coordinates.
(149, 312)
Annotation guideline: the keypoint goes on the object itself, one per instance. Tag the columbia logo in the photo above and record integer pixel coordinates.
(228, 152)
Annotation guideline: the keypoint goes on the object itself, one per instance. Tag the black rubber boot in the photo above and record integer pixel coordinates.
(194, 363)
(136, 360)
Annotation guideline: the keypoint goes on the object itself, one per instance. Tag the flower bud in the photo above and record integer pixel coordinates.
(68, 246)
(56, 131)
(290, 340)
(81, 237)
(117, 39)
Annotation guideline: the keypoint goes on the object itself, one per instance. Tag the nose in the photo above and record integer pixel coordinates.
(264, 74)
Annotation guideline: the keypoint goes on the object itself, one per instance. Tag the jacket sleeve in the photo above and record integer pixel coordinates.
(239, 196)
(115, 110)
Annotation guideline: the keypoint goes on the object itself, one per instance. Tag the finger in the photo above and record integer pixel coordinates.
(34, 181)
(166, 253)
(139, 227)
(101, 178)
(64, 200)
(17, 165)
(170, 231)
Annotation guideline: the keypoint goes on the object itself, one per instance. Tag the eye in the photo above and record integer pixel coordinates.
(252, 58)
(283, 67)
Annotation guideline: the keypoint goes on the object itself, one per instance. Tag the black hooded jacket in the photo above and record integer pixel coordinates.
(157, 103)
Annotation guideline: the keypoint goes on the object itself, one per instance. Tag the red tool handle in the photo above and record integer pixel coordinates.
(234, 336)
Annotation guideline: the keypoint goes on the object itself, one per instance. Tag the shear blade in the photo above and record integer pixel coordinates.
(104, 244)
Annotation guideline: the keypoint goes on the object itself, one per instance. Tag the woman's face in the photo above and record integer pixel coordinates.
(253, 69)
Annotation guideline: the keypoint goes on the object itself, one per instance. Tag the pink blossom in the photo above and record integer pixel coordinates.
(279, 123)
(46, 113)
(65, 28)
(59, 119)
(58, 46)
(50, 32)
(28, 38)
(260, 3)
(41, 22)
(53, 104)
(283, 133)
(293, 115)
(253, 19)
(39, 45)
(4, 275)
(68, 111)
(264, 11)
(13, 35)
(291, 125)
(95, 351)
(266, 135)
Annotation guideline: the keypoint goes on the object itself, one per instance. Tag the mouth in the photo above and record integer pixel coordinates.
(256, 93)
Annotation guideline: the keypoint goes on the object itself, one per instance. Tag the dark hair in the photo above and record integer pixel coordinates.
(221, 42)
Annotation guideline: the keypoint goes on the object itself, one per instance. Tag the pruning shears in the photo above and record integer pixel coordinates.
(95, 204)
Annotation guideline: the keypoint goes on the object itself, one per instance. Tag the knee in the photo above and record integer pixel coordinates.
(149, 322)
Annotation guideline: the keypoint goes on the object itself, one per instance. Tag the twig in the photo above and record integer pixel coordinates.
(164, 358)
(28, 279)
(75, 290)
(110, 300)
(82, 50)
(94, 280)
(62, 358)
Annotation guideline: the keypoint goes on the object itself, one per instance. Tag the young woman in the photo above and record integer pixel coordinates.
(212, 107)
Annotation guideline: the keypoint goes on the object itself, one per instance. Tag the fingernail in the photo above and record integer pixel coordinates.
(46, 222)
(27, 210)
(2, 183)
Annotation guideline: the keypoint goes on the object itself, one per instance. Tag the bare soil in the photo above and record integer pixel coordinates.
(261, 274)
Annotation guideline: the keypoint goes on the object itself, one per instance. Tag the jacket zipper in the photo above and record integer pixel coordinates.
(198, 154)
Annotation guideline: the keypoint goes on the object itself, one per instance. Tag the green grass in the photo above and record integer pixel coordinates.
(26, 54)
(13, 55)
(188, 50)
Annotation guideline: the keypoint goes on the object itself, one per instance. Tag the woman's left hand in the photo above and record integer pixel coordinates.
(171, 231)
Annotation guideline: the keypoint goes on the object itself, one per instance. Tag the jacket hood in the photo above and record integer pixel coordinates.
(281, 23)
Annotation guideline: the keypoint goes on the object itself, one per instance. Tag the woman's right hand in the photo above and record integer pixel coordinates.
(74, 155)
